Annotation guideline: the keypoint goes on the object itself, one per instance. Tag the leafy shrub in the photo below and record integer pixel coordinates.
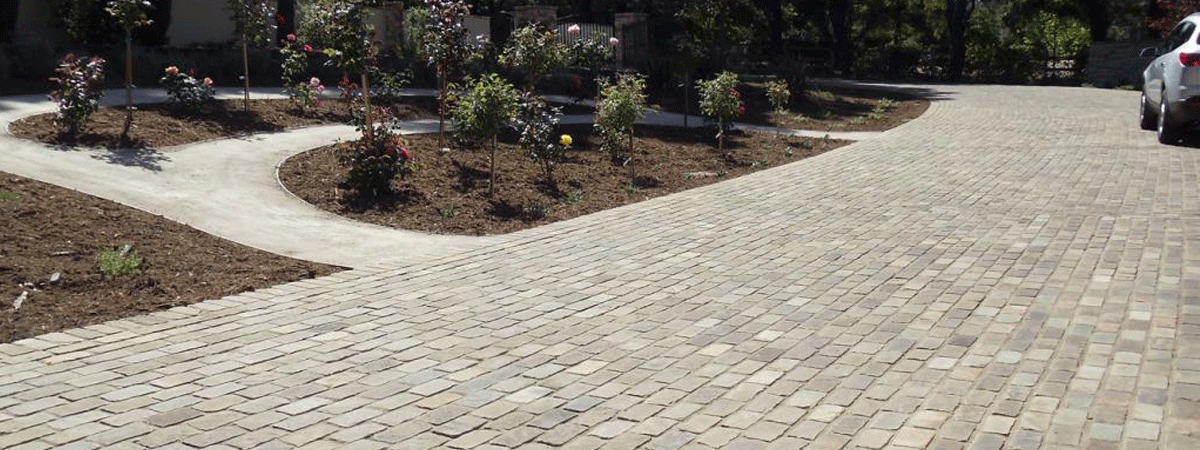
(622, 102)
(535, 51)
(590, 53)
(389, 85)
(881, 109)
(413, 36)
(483, 106)
(185, 89)
(348, 90)
(303, 93)
(377, 157)
(447, 47)
(720, 99)
(341, 30)
(779, 94)
(445, 36)
(80, 86)
(535, 122)
(482, 109)
(113, 262)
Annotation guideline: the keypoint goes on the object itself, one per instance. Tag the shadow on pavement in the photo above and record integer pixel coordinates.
(144, 158)
(932, 93)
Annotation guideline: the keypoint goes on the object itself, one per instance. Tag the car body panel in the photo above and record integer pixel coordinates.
(1166, 77)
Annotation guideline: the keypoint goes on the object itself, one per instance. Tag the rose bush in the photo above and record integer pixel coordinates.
(481, 110)
(535, 122)
(185, 89)
(622, 102)
(720, 99)
(378, 156)
(304, 93)
(779, 94)
(80, 87)
(535, 51)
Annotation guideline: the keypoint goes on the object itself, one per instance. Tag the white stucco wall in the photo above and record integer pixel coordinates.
(199, 22)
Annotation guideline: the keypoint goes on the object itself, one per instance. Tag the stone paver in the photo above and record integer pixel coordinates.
(1018, 268)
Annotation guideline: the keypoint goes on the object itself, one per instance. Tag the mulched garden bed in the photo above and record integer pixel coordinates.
(160, 125)
(50, 230)
(448, 193)
(833, 109)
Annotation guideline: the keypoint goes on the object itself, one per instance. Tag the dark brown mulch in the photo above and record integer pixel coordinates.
(165, 124)
(448, 194)
(819, 109)
(48, 230)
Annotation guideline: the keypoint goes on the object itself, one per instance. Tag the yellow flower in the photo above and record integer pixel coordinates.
(172, 70)
(566, 140)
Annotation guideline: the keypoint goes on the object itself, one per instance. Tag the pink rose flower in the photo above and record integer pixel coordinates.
(613, 41)
(573, 30)
(172, 71)
(308, 48)
(291, 37)
(208, 81)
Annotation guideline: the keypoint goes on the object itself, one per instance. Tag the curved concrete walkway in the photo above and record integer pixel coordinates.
(229, 187)
(996, 274)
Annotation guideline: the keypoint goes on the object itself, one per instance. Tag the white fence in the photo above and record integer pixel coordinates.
(586, 30)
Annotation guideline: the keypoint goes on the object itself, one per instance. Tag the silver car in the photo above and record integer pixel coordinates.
(1171, 88)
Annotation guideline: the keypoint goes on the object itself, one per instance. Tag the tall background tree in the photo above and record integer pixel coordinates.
(8, 19)
(958, 15)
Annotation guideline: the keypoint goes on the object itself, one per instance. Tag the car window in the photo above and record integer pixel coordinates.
(1178, 36)
(1172, 39)
(1185, 32)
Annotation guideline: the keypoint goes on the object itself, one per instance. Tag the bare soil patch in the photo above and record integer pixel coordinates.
(448, 194)
(51, 230)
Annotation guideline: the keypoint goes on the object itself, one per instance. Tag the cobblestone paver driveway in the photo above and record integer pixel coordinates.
(1019, 268)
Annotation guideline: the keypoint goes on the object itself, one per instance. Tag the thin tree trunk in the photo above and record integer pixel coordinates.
(367, 115)
(632, 171)
(128, 85)
(441, 109)
(246, 72)
(492, 182)
(721, 135)
(840, 27)
(687, 97)
(958, 12)
(1098, 20)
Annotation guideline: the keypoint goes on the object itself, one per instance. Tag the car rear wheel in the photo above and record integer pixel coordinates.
(1147, 115)
(1168, 132)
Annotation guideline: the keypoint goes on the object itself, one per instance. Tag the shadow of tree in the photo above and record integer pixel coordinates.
(356, 202)
(469, 178)
(145, 158)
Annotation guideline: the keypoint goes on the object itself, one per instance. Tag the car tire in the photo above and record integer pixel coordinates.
(1149, 118)
(1168, 132)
